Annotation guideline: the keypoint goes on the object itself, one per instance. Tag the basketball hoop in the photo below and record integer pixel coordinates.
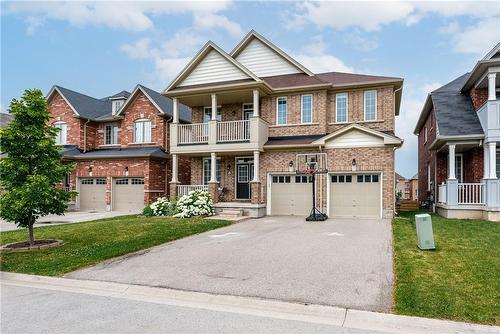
(312, 163)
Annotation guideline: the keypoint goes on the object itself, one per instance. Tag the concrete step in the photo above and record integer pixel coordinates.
(232, 212)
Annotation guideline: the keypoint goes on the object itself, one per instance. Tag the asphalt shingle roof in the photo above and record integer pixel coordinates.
(167, 105)
(5, 119)
(455, 114)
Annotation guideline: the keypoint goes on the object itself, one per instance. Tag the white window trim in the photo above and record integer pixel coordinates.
(346, 107)
(286, 113)
(302, 109)
(64, 140)
(210, 107)
(203, 169)
(428, 176)
(461, 157)
(113, 125)
(243, 109)
(425, 135)
(143, 120)
(364, 104)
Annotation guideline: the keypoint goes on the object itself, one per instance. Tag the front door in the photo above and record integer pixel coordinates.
(244, 174)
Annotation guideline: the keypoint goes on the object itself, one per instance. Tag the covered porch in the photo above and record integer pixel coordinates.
(233, 181)
(466, 177)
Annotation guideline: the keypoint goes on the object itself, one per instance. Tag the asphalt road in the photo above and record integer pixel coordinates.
(32, 310)
(339, 262)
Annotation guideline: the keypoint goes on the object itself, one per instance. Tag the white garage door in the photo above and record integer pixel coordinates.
(291, 195)
(92, 194)
(128, 194)
(355, 195)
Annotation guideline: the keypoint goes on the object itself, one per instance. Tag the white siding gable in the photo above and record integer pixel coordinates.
(354, 138)
(213, 68)
(264, 61)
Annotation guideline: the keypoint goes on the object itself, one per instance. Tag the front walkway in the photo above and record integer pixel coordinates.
(68, 218)
(344, 262)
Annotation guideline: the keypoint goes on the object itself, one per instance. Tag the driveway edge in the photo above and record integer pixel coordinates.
(319, 314)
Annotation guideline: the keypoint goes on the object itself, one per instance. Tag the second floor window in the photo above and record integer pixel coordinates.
(341, 108)
(370, 105)
(111, 134)
(62, 134)
(306, 108)
(142, 131)
(281, 111)
(207, 114)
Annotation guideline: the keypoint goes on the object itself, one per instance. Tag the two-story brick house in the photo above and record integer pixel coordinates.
(256, 109)
(458, 131)
(119, 144)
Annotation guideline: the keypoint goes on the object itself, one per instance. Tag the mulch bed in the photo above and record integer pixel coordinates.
(24, 246)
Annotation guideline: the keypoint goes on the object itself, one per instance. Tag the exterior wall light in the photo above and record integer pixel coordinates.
(354, 166)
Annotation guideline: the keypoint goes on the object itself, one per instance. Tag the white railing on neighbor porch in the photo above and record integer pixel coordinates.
(470, 193)
(185, 189)
(442, 193)
(233, 131)
(193, 133)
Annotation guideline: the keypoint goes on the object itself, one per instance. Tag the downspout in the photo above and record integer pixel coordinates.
(394, 104)
(394, 155)
(85, 136)
(167, 133)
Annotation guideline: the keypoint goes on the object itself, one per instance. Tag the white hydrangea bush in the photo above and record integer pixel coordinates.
(163, 207)
(195, 203)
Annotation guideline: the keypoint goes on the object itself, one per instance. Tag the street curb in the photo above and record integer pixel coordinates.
(320, 314)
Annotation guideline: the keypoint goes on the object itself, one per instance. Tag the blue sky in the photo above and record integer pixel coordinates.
(100, 48)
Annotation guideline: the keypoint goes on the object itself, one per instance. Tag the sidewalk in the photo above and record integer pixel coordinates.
(318, 314)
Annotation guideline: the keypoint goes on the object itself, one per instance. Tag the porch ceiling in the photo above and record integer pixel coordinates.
(460, 146)
(226, 97)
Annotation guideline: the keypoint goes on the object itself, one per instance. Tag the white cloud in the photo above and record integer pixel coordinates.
(359, 42)
(139, 49)
(476, 39)
(125, 15)
(430, 87)
(315, 57)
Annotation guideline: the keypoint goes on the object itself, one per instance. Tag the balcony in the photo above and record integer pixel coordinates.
(489, 116)
(215, 136)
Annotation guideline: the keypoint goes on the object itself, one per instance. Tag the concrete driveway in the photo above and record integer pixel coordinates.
(343, 262)
(68, 218)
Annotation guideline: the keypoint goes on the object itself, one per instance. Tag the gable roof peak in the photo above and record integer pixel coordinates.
(254, 34)
(492, 52)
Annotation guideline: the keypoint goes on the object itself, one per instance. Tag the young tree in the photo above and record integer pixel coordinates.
(33, 167)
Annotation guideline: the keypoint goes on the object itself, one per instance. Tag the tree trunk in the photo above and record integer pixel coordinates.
(31, 236)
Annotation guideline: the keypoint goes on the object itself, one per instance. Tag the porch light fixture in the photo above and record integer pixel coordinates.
(229, 169)
(126, 170)
(90, 170)
(290, 166)
(353, 165)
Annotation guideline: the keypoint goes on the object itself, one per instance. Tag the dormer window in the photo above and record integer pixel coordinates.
(116, 105)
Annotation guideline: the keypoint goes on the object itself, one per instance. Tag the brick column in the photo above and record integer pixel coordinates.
(212, 189)
(173, 188)
(256, 193)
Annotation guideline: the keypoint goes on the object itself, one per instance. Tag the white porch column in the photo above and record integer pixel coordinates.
(214, 107)
(213, 167)
(451, 162)
(175, 111)
(256, 102)
(175, 169)
(493, 159)
(491, 86)
(486, 161)
(256, 155)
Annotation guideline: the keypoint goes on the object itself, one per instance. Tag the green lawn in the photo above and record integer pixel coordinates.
(92, 242)
(460, 280)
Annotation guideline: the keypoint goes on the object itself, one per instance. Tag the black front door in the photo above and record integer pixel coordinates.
(244, 174)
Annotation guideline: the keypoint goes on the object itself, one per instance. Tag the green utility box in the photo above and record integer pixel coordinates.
(425, 236)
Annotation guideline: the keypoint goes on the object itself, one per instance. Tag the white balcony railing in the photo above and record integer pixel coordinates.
(193, 133)
(233, 131)
(442, 193)
(470, 193)
(186, 189)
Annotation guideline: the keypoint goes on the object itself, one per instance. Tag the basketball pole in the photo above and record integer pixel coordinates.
(315, 215)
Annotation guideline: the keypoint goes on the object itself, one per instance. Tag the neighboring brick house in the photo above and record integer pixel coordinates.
(119, 145)
(458, 131)
(414, 188)
(256, 109)
(403, 185)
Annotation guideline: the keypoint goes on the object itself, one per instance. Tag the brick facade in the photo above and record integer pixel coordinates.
(427, 158)
(479, 96)
(157, 173)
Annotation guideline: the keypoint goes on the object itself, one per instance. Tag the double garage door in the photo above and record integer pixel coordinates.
(350, 195)
(127, 194)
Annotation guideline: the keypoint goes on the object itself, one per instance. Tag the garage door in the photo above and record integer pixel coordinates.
(128, 194)
(355, 195)
(92, 194)
(291, 195)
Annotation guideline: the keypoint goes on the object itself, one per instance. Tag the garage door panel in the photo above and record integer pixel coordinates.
(291, 195)
(92, 194)
(128, 194)
(355, 195)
